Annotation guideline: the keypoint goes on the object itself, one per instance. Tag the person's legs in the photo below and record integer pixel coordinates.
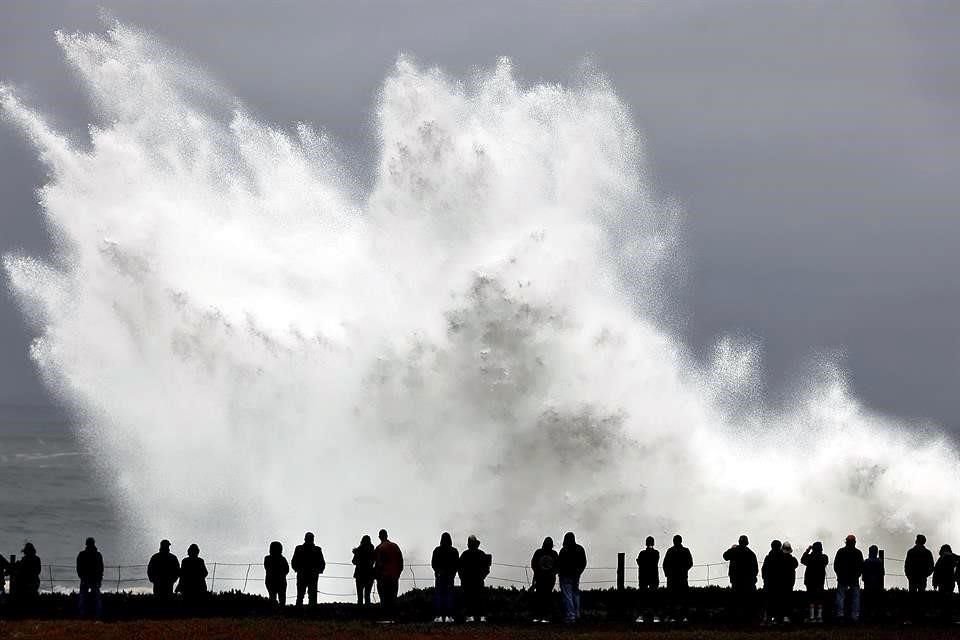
(301, 589)
(83, 597)
(367, 589)
(312, 589)
(576, 598)
(855, 601)
(566, 594)
(838, 612)
(543, 593)
(359, 584)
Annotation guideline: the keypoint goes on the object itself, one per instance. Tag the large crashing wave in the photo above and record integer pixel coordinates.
(256, 346)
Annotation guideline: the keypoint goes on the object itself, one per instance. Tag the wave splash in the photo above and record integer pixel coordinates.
(256, 346)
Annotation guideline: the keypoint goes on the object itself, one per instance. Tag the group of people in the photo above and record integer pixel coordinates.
(383, 564)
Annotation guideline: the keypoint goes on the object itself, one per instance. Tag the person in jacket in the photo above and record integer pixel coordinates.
(677, 562)
(445, 563)
(363, 557)
(815, 562)
(848, 567)
(308, 563)
(90, 572)
(571, 563)
(474, 567)
(275, 570)
(918, 566)
(163, 571)
(544, 566)
(387, 567)
(648, 579)
(873, 594)
(743, 571)
(25, 580)
(772, 572)
(790, 565)
(193, 576)
(945, 581)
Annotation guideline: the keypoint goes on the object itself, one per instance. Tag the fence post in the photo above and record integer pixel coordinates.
(708, 574)
(245, 578)
(50, 572)
(118, 578)
(620, 570)
(213, 577)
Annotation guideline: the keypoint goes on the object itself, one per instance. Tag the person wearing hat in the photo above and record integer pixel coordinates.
(163, 571)
(25, 581)
(473, 570)
(90, 572)
(848, 566)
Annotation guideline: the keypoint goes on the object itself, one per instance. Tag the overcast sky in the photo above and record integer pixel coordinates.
(815, 145)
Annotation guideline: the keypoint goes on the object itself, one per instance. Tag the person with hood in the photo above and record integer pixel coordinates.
(815, 563)
(308, 563)
(677, 562)
(571, 563)
(790, 565)
(918, 566)
(544, 566)
(743, 570)
(90, 572)
(945, 581)
(648, 579)
(163, 571)
(848, 566)
(25, 580)
(445, 562)
(474, 568)
(363, 558)
(772, 572)
(275, 569)
(387, 568)
(193, 576)
(873, 574)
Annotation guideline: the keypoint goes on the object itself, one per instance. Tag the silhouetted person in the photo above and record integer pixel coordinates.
(773, 574)
(544, 565)
(918, 566)
(90, 572)
(363, 558)
(945, 581)
(571, 563)
(873, 594)
(275, 569)
(25, 579)
(743, 571)
(648, 580)
(790, 565)
(193, 576)
(677, 562)
(445, 562)
(308, 563)
(474, 569)
(848, 566)
(163, 571)
(815, 563)
(387, 567)
(4, 569)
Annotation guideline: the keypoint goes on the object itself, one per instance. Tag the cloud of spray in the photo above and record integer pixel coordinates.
(256, 347)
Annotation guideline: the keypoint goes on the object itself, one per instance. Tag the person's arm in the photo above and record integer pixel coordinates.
(321, 563)
(99, 568)
(689, 560)
(203, 565)
(80, 565)
(400, 559)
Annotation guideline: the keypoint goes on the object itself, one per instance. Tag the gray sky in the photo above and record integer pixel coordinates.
(816, 146)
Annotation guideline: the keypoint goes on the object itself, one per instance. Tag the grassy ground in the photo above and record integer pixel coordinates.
(235, 629)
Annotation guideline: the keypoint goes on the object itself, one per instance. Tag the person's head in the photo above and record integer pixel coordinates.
(569, 539)
(548, 543)
(787, 547)
(649, 541)
(383, 535)
(775, 545)
(473, 542)
(921, 539)
(193, 550)
(365, 541)
(446, 540)
(817, 547)
(873, 551)
(743, 541)
(165, 546)
(91, 543)
(851, 540)
(308, 537)
(677, 540)
(29, 549)
(276, 548)
(945, 550)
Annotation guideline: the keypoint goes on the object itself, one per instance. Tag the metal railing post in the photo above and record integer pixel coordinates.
(213, 578)
(246, 577)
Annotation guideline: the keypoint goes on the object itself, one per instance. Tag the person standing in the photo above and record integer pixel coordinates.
(388, 566)
(918, 566)
(445, 563)
(90, 572)
(275, 570)
(848, 566)
(790, 565)
(25, 580)
(677, 562)
(474, 568)
(743, 570)
(544, 565)
(163, 571)
(308, 563)
(648, 580)
(873, 595)
(193, 577)
(772, 572)
(945, 581)
(571, 563)
(815, 563)
(363, 569)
